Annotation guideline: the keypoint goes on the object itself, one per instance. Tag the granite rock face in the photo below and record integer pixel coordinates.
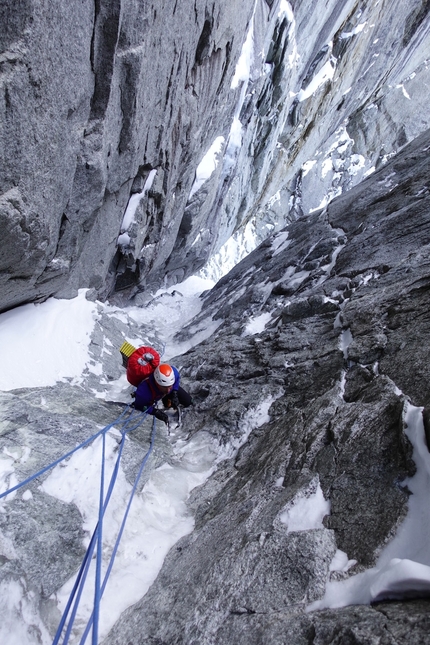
(94, 96)
(118, 99)
(337, 288)
(325, 327)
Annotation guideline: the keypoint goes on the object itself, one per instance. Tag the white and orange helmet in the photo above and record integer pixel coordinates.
(164, 375)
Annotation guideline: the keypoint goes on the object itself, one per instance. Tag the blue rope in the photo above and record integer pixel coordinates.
(97, 535)
(83, 572)
(121, 530)
(99, 549)
(68, 454)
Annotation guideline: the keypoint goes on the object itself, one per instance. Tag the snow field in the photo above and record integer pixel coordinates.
(45, 343)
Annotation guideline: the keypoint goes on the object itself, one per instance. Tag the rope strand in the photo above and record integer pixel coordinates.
(121, 530)
(96, 538)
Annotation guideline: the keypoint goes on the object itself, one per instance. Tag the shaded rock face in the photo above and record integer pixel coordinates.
(95, 97)
(357, 269)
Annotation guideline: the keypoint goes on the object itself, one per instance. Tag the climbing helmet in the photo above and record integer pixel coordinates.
(164, 375)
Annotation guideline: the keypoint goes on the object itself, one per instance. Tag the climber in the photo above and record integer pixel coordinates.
(162, 384)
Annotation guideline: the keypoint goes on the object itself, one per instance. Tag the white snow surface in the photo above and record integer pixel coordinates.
(257, 324)
(207, 165)
(243, 66)
(285, 9)
(231, 253)
(45, 343)
(326, 73)
(306, 512)
(134, 202)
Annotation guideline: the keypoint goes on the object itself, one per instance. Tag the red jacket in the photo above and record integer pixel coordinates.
(139, 368)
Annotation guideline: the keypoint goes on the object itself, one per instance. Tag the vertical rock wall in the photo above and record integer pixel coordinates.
(101, 101)
(93, 97)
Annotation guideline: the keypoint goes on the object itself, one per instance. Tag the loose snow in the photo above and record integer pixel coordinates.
(325, 74)
(133, 203)
(207, 165)
(257, 324)
(305, 511)
(243, 66)
(46, 343)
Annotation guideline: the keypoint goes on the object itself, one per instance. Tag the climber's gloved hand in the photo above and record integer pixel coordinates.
(174, 399)
(148, 357)
(162, 416)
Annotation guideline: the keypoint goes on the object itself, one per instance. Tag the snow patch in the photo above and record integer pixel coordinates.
(404, 92)
(207, 165)
(252, 419)
(19, 622)
(285, 9)
(341, 562)
(46, 343)
(358, 29)
(345, 341)
(325, 74)
(231, 253)
(243, 66)
(306, 511)
(280, 243)
(257, 324)
(134, 201)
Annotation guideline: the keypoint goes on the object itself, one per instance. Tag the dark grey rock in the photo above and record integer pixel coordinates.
(338, 418)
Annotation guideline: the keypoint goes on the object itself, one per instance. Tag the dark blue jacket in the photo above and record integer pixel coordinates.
(147, 392)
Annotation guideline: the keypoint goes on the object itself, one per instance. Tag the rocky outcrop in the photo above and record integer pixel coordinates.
(110, 100)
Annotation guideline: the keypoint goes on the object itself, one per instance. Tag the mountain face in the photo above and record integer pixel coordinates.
(359, 267)
(102, 102)
(319, 348)
(322, 335)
